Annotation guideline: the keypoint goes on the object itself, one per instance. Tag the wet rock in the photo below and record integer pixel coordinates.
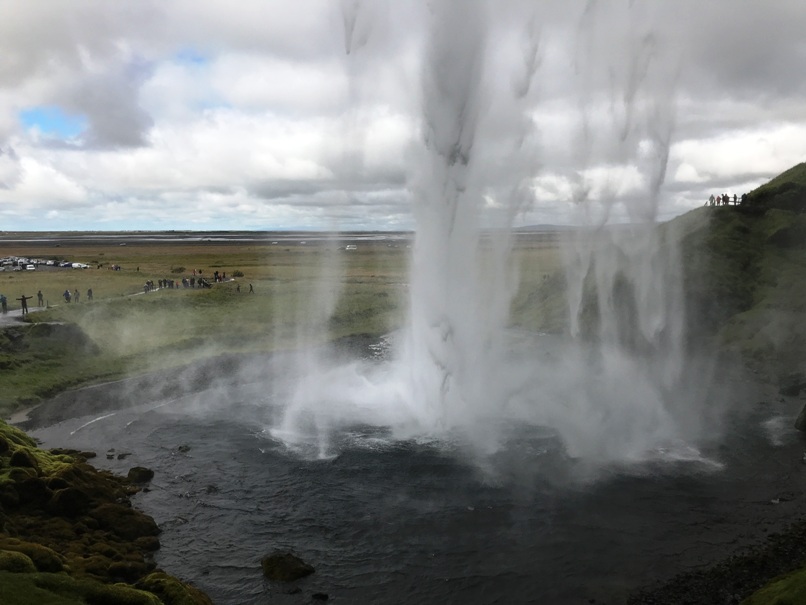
(184, 449)
(81, 455)
(320, 596)
(285, 567)
(140, 474)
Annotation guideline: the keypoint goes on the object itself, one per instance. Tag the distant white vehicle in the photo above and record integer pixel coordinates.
(50, 263)
(351, 247)
(80, 266)
(30, 267)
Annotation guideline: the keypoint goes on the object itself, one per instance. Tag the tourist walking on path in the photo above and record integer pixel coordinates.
(251, 289)
(24, 303)
(66, 295)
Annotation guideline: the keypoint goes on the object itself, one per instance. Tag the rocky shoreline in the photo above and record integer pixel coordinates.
(69, 529)
(737, 578)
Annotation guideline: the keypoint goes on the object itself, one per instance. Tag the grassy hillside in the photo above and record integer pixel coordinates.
(745, 271)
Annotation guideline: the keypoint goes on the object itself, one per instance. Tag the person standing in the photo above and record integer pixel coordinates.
(76, 295)
(89, 294)
(24, 303)
(66, 296)
(251, 289)
(40, 300)
(4, 304)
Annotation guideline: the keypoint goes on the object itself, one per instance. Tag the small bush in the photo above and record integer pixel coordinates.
(237, 273)
(178, 270)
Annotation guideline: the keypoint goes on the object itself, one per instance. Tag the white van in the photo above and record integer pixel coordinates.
(30, 267)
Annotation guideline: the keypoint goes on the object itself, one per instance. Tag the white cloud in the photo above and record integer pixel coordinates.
(216, 115)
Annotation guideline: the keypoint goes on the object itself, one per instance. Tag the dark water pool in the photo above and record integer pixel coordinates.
(417, 522)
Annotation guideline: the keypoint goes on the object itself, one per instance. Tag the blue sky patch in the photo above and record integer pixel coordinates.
(191, 56)
(53, 121)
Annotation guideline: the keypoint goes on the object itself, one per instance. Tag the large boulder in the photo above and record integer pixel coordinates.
(285, 567)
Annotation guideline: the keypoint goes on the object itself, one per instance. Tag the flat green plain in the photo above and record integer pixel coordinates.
(302, 295)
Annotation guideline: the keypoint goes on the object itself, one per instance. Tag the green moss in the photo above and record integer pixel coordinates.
(171, 591)
(43, 558)
(787, 590)
(16, 562)
(22, 589)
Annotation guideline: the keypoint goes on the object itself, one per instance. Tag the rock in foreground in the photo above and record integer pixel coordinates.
(285, 567)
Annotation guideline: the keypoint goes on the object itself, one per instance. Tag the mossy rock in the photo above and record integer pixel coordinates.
(15, 435)
(23, 458)
(33, 491)
(43, 557)
(147, 543)
(69, 502)
(17, 562)
(120, 594)
(91, 592)
(124, 522)
(285, 567)
(8, 496)
(17, 474)
(172, 591)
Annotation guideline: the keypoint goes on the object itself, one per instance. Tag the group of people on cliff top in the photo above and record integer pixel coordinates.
(725, 200)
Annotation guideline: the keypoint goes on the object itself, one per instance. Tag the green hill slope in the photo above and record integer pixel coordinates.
(745, 272)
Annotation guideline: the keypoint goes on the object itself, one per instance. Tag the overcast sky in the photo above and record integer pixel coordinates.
(207, 114)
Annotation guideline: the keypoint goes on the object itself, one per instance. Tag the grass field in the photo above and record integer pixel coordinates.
(303, 295)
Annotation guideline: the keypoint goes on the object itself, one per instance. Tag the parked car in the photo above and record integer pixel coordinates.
(30, 267)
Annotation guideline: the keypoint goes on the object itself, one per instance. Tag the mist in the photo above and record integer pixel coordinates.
(608, 391)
